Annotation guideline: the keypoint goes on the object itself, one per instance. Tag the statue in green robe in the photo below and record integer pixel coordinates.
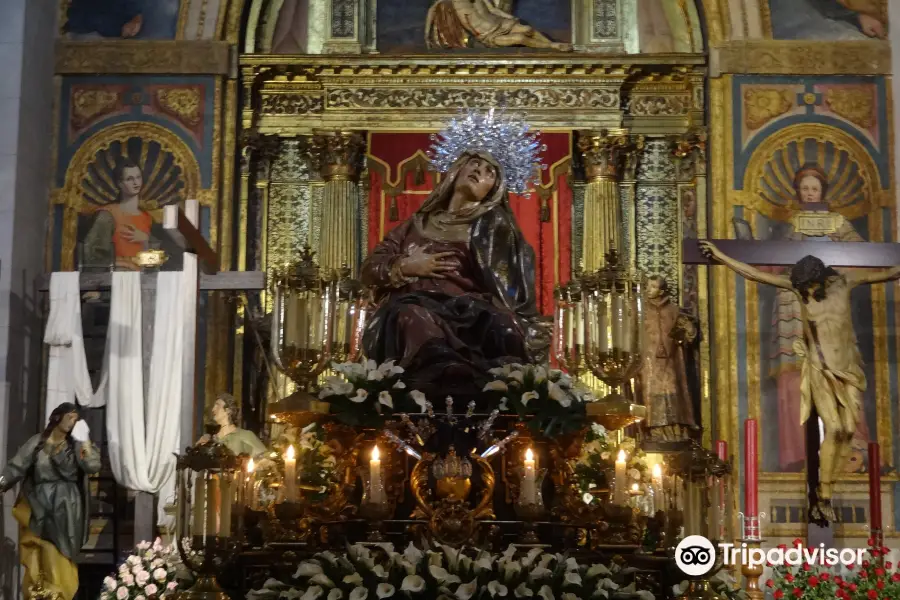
(52, 506)
(225, 414)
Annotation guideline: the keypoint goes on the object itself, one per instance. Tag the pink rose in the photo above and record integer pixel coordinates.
(142, 578)
(171, 585)
(110, 584)
(160, 574)
(151, 589)
(122, 593)
(140, 597)
(128, 579)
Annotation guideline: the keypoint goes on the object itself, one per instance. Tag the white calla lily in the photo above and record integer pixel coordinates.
(572, 578)
(528, 397)
(539, 573)
(360, 396)
(412, 583)
(467, 590)
(496, 386)
(419, 398)
(559, 395)
(335, 594)
(546, 593)
(413, 554)
(321, 579)
(441, 575)
(495, 588)
(596, 571)
(384, 590)
(523, 591)
(384, 397)
(353, 579)
(308, 569)
(313, 593)
(359, 593)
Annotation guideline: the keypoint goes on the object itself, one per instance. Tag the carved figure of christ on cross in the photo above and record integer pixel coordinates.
(832, 376)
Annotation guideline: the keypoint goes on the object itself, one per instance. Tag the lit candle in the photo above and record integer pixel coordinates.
(376, 485)
(619, 491)
(656, 477)
(528, 493)
(225, 512)
(251, 488)
(212, 505)
(290, 475)
(751, 473)
(874, 487)
(199, 504)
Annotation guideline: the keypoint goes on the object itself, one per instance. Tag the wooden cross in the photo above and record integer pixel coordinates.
(182, 226)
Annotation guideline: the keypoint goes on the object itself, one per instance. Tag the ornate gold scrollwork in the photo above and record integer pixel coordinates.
(452, 520)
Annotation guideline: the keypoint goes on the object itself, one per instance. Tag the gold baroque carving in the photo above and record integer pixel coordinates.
(856, 104)
(170, 57)
(291, 104)
(338, 154)
(791, 57)
(182, 102)
(544, 98)
(90, 103)
(763, 105)
(659, 106)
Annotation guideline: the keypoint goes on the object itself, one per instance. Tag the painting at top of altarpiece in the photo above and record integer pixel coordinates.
(812, 164)
(127, 148)
(125, 19)
(828, 19)
(401, 23)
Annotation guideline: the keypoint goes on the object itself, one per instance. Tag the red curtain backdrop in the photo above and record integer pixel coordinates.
(400, 180)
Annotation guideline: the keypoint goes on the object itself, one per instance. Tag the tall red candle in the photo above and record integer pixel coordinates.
(722, 453)
(722, 450)
(751, 469)
(874, 486)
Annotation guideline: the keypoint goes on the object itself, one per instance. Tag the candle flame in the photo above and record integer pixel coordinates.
(634, 487)
(375, 454)
(250, 466)
(621, 457)
(657, 471)
(529, 455)
(290, 453)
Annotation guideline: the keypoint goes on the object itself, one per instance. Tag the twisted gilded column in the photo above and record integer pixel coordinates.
(338, 157)
(604, 155)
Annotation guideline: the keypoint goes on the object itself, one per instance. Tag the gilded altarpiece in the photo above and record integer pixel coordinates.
(775, 127)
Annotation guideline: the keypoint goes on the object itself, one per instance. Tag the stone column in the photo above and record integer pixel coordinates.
(604, 155)
(657, 220)
(338, 156)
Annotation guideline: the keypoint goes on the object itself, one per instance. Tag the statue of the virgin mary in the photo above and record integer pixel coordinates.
(456, 281)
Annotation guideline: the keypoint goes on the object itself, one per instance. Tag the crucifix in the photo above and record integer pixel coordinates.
(201, 262)
(832, 376)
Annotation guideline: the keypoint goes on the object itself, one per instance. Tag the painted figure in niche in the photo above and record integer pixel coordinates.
(226, 414)
(810, 187)
(52, 507)
(827, 19)
(665, 386)
(120, 230)
(832, 378)
(456, 283)
(142, 19)
(450, 23)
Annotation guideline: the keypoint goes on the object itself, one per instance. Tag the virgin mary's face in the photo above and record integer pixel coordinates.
(478, 177)
(810, 189)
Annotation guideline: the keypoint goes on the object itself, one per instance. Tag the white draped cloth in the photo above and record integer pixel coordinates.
(143, 433)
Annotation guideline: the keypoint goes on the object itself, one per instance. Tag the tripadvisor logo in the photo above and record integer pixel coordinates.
(695, 555)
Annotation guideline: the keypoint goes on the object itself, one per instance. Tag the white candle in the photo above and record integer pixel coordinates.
(619, 484)
(659, 502)
(250, 489)
(290, 475)
(212, 506)
(376, 485)
(618, 325)
(225, 513)
(579, 324)
(602, 328)
(528, 493)
(199, 503)
(568, 327)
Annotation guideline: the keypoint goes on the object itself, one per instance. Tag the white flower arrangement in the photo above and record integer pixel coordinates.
(366, 393)
(444, 573)
(150, 572)
(549, 396)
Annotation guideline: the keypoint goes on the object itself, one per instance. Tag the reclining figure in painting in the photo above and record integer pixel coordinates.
(456, 281)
